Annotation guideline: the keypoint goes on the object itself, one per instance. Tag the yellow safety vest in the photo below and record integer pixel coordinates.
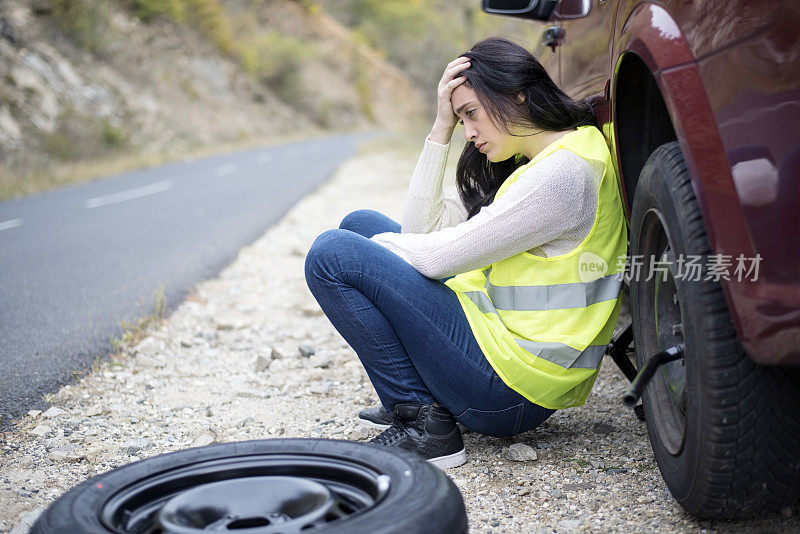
(544, 323)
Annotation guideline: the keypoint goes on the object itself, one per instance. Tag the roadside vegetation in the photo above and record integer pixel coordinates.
(136, 330)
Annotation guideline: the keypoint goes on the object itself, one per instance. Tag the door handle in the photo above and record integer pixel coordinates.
(553, 36)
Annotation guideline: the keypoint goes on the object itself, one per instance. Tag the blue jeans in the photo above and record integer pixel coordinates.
(409, 331)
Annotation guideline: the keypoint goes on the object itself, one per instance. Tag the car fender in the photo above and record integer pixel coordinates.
(654, 36)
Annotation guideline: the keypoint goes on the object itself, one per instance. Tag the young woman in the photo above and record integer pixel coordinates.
(492, 309)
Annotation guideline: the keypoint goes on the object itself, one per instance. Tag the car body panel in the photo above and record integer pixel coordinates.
(729, 74)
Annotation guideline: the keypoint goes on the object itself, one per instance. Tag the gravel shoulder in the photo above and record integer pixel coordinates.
(234, 362)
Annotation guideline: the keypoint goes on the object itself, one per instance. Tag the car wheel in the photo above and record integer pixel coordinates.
(266, 486)
(723, 429)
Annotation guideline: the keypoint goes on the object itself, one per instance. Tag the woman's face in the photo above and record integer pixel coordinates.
(479, 128)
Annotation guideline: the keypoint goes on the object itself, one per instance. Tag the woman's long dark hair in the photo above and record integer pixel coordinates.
(499, 71)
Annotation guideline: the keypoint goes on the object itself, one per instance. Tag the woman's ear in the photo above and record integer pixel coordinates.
(520, 97)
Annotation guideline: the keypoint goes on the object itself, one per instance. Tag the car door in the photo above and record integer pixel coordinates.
(586, 46)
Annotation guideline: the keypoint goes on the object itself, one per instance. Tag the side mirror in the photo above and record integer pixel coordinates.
(526, 9)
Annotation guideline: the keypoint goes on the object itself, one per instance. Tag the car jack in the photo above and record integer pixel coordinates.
(618, 350)
(644, 375)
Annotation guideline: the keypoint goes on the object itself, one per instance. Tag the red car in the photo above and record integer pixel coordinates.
(700, 104)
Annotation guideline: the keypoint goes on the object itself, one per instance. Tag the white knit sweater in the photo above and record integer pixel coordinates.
(548, 211)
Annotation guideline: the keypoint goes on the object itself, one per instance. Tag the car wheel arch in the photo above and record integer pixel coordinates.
(641, 119)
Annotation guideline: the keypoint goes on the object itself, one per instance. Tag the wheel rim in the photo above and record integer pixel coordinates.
(662, 329)
(258, 494)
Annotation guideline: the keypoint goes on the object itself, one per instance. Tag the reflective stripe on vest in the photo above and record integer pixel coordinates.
(564, 355)
(542, 298)
(553, 297)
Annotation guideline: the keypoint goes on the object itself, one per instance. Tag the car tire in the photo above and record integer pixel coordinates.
(724, 430)
(400, 492)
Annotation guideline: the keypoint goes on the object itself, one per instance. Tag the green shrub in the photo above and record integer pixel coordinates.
(112, 136)
(85, 22)
(207, 16)
(79, 136)
(360, 76)
(274, 59)
(148, 10)
(60, 145)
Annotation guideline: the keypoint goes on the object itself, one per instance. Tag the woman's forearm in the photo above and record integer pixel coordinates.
(441, 134)
(426, 208)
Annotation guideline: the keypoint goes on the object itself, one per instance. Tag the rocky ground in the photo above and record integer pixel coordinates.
(250, 356)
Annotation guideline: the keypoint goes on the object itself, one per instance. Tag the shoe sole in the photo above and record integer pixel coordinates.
(451, 460)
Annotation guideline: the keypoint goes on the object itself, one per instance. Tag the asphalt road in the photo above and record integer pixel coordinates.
(76, 262)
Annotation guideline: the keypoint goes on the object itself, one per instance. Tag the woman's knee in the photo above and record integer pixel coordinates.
(368, 223)
(324, 250)
(358, 219)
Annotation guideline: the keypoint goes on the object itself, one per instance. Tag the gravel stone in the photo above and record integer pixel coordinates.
(96, 410)
(519, 452)
(360, 434)
(149, 345)
(251, 394)
(569, 525)
(245, 422)
(41, 431)
(53, 411)
(204, 439)
(306, 351)
(320, 388)
(136, 445)
(66, 456)
(262, 364)
(320, 362)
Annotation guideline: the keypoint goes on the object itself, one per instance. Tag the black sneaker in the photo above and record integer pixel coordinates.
(376, 417)
(427, 430)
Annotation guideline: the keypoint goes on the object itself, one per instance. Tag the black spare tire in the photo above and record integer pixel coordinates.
(724, 430)
(265, 487)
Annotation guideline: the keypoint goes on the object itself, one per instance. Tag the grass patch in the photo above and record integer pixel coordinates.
(135, 331)
(208, 17)
(79, 136)
(112, 136)
(85, 23)
(360, 76)
(274, 59)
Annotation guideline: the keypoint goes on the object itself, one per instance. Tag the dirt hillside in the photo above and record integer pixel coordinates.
(95, 80)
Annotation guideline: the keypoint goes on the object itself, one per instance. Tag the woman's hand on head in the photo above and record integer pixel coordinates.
(445, 117)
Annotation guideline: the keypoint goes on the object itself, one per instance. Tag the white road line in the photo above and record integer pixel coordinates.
(224, 170)
(8, 225)
(263, 158)
(130, 194)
